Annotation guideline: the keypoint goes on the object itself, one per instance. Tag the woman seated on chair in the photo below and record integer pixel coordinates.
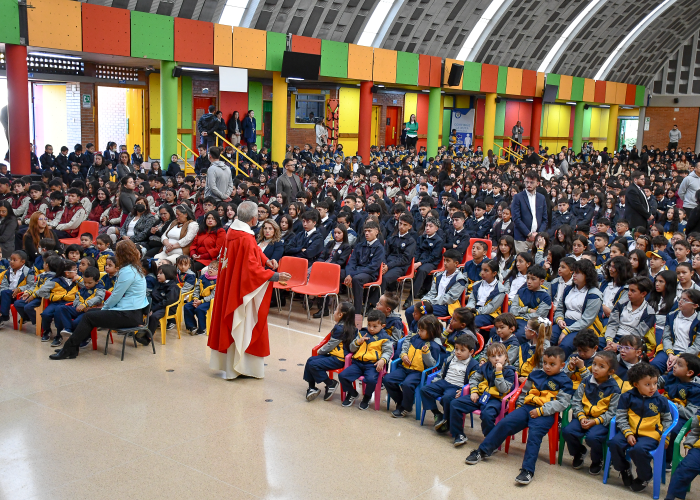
(123, 309)
(208, 241)
(138, 224)
(38, 230)
(178, 236)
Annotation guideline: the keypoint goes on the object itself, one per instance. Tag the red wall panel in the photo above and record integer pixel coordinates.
(116, 40)
(599, 91)
(194, 41)
(306, 44)
(435, 71)
(529, 83)
(516, 110)
(424, 70)
(631, 94)
(422, 110)
(233, 101)
(489, 78)
(479, 122)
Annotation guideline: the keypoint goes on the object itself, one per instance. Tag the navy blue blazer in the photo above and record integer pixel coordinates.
(274, 251)
(522, 215)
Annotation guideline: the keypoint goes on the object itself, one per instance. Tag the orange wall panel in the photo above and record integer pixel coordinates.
(599, 91)
(589, 90)
(194, 41)
(249, 48)
(223, 45)
(610, 92)
(424, 70)
(435, 71)
(514, 83)
(385, 66)
(360, 62)
(55, 24)
(620, 93)
(565, 83)
(489, 78)
(306, 44)
(539, 90)
(446, 74)
(529, 84)
(631, 95)
(116, 41)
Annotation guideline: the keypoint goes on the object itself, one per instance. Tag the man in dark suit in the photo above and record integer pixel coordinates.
(637, 210)
(527, 223)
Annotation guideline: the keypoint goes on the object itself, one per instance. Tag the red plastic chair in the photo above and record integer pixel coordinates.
(552, 434)
(441, 266)
(504, 309)
(480, 340)
(93, 333)
(295, 266)
(369, 286)
(471, 244)
(410, 274)
(323, 281)
(314, 352)
(462, 300)
(87, 226)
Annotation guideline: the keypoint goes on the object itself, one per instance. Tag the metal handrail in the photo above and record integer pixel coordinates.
(189, 169)
(508, 151)
(238, 151)
(522, 146)
(238, 170)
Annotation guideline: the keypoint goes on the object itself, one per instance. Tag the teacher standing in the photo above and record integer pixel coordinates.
(637, 211)
(123, 309)
(411, 128)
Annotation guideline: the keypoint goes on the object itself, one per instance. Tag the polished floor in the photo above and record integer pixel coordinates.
(166, 426)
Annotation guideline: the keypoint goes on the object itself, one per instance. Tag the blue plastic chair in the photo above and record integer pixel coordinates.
(424, 374)
(659, 463)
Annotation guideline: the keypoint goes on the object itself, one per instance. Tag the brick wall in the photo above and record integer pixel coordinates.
(300, 136)
(385, 100)
(198, 87)
(73, 135)
(663, 119)
(111, 115)
(88, 115)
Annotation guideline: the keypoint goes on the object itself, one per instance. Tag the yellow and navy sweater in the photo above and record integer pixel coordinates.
(334, 346)
(394, 327)
(550, 394)
(26, 279)
(639, 415)
(421, 353)
(686, 395)
(620, 376)
(577, 374)
(373, 349)
(448, 338)
(107, 282)
(669, 337)
(39, 283)
(526, 352)
(528, 304)
(102, 258)
(89, 297)
(596, 401)
(205, 290)
(511, 344)
(493, 305)
(472, 367)
(496, 383)
(57, 289)
(186, 281)
(91, 251)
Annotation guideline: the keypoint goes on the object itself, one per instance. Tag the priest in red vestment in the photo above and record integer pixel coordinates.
(238, 334)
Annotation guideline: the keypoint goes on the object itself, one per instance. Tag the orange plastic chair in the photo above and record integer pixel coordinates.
(87, 226)
(314, 352)
(93, 333)
(471, 244)
(504, 309)
(324, 280)
(410, 274)
(480, 340)
(462, 300)
(295, 266)
(441, 266)
(369, 286)
(552, 434)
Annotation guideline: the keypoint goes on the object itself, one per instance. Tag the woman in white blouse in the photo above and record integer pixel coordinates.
(549, 170)
(178, 236)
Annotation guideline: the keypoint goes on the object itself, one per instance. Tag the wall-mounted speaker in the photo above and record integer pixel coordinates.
(455, 75)
(300, 65)
(676, 100)
(550, 93)
(375, 89)
(498, 99)
(177, 71)
(586, 106)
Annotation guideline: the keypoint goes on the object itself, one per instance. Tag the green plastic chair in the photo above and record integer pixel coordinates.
(566, 420)
(677, 446)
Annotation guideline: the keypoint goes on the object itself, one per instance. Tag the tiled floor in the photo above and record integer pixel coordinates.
(166, 426)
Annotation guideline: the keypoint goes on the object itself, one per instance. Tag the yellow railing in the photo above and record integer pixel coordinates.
(189, 169)
(504, 154)
(239, 152)
(525, 148)
(234, 165)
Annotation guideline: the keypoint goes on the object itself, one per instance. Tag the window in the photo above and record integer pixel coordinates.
(310, 107)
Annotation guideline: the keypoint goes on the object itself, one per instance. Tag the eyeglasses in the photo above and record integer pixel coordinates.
(44, 219)
(627, 348)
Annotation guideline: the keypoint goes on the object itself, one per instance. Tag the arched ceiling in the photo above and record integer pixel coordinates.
(519, 33)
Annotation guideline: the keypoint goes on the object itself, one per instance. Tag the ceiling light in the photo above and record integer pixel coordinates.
(192, 68)
(571, 103)
(528, 100)
(490, 14)
(57, 56)
(295, 78)
(380, 86)
(426, 90)
(604, 106)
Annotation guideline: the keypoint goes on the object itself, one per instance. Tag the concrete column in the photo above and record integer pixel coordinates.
(364, 130)
(168, 111)
(489, 123)
(18, 109)
(612, 127)
(697, 135)
(578, 127)
(640, 129)
(536, 123)
(279, 117)
(434, 111)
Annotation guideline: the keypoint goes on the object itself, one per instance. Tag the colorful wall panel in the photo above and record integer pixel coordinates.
(518, 111)
(539, 89)
(347, 113)
(334, 59)
(471, 77)
(515, 81)
(446, 74)
(588, 90)
(499, 124)
(116, 41)
(565, 84)
(596, 126)
(223, 45)
(529, 84)
(556, 124)
(9, 22)
(194, 41)
(435, 71)
(234, 101)
(620, 93)
(479, 122)
(577, 85)
(55, 24)
(502, 79)
(186, 104)
(153, 115)
(640, 96)
(152, 36)
(276, 45)
(249, 48)
(630, 94)
(489, 78)
(255, 102)
(360, 62)
(423, 70)
(407, 68)
(552, 79)
(610, 92)
(410, 106)
(306, 45)
(384, 66)
(600, 91)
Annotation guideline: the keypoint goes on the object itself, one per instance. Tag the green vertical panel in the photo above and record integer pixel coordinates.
(502, 79)
(587, 122)
(552, 79)
(267, 106)
(640, 95)
(407, 68)
(446, 124)
(499, 142)
(334, 59)
(500, 124)
(9, 22)
(255, 101)
(471, 79)
(577, 88)
(152, 36)
(276, 45)
(186, 108)
(168, 110)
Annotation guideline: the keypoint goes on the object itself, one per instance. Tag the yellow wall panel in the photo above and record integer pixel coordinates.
(223, 45)
(588, 90)
(410, 105)
(621, 92)
(134, 115)
(628, 112)
(448, 101)
(154, 114)
(565, 83)
(463, 101)
(347, 118)
(55, 24)
(514, 83)
(249, 48)
(446, 73)
(540, 85)
(610, 93)
(360, 62)
(384, 66)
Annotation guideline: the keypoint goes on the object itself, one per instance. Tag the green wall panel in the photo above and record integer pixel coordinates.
(502, 79)
(255, 101)
(186, 108)
(276, 45)
(639, 98)
(334, 59)
(407, 68)
(9, 21)
(500, 124)
(577, 88)
(587, 122)
(552, 79)
(471, 76)
(446, 118)
(152, 36)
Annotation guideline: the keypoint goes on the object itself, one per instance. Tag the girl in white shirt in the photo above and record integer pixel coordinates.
(684, 272)
(517, 277)
(487, 295)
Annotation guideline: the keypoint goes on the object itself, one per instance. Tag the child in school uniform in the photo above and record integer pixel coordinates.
(186, 279)
(447, 287)
(487, 295)
(387, 304)
(631, 352)
(538, 331)
(102, 244)
(418, 351)
(461, 323)
(89, 249)
(200, 304)
(372, 350)
(531, 301)
(487, 387)
(455, 374)
(546, 392)
(505, 334)
(60, 290)
(420, 309)
(109, 278)
(632, 317)
(331, 356)
(472, 269)
(641, 418)
(165, 294)
(90, 295)
(594, 404)
(577, 365)
(680, 332)
(689, 467)
(28, 301)
(15, 280)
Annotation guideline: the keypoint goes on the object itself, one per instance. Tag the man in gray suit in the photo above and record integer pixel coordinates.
(289, 183)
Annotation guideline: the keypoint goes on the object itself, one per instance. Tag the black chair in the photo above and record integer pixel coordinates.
(133, 332)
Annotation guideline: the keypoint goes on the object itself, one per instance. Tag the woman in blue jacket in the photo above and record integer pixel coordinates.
(249, 128)
(270, 240)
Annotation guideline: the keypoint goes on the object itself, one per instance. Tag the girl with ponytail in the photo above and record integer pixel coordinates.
(538, 331)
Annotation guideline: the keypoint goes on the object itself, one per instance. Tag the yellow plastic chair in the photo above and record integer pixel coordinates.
(211, 308)
(177, 315)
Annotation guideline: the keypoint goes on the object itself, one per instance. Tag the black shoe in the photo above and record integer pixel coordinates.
(171, 325)
(46, 336)
(595, 468)
(627, 478)
(578, 460)
(460, 440)
(85, 343)
(638, 485)
(317, 314)
(63, 354)
(399, 413)
(524, 477)
(364, 404)
(669, 467)
(407, 304)
(349, 399)
(57, 341)
(312, 393)
(441, 425)
(474, 457)
(201, 332)
(331, 387)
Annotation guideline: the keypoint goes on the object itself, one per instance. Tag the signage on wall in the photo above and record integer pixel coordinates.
(647, 120)
(374, 99)
(87, 101)
(394, 101)
(462, 121)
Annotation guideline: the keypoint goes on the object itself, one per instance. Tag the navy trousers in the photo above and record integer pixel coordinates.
(464, 405)
(440, 389)
(659, 361)
(568, 343)
(26, 310)
(639, 454)
(67, 318)
(6, 300)
(515, 422)
(316, 368)
(520, 331)
(356, 370)
(190, 312)
(684, 475)
(401, 386)
(595, 439)
(49, 312)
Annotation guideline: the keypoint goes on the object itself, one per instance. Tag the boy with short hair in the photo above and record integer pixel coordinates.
(657, 262)
(387, 304)
(203, 295)
(681, 249)
(88, 249)
(15, 280)
(586, 344)
(72, 216)
(102, 244)
(531, 301)
(447, 287)
(90, 295)
(457, 237)
(363, 267)
(308, 244)
(623, 230)
(600, 243)
(545, 393)
(561, 217)
(472, 269)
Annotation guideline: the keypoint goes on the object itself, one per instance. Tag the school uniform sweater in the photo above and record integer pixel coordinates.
(686, 395)
(526, 353)
(421, 353)
(373, 349)
(334, 346)
(639, 415)
(551, 394)
(577, 374)
(596, 401)
(89, 297)
(488, 379)
(671, 333)
(186, 281)
(621, 322)
(528, 304)
(206, 287)
(494, 302)
(472, 367)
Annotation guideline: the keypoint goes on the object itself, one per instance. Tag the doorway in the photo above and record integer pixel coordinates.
(267, 124)
(392, 132)
(200, 106)
(376, 117)
(627, 133)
